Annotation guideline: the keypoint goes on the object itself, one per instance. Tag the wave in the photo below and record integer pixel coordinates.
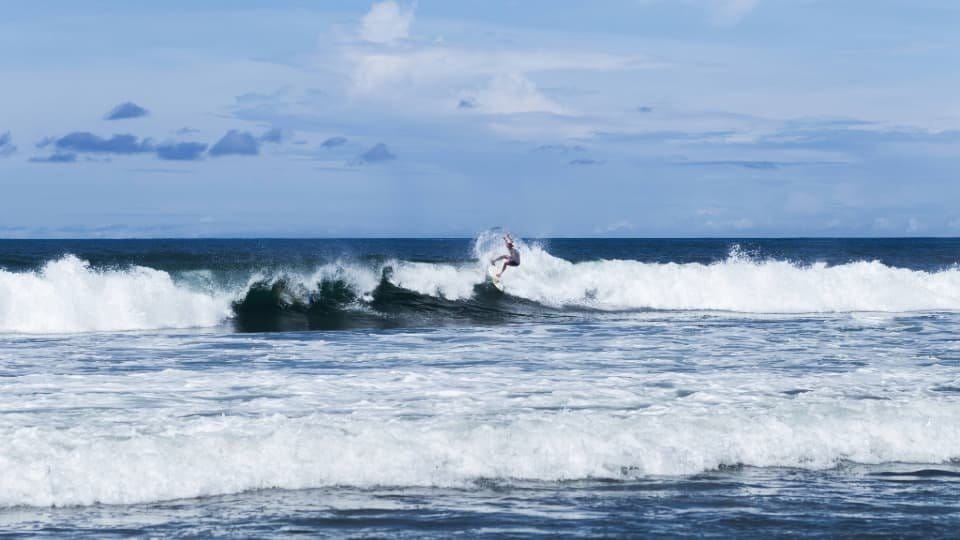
(68, 295)
(738, 284)
(46, 465)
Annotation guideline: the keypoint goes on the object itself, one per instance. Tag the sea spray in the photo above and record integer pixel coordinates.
(67, 295)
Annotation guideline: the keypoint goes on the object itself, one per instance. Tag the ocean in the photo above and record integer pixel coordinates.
(381, 387)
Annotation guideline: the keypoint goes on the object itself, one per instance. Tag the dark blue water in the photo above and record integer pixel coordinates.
(191, 254)
(266, 388)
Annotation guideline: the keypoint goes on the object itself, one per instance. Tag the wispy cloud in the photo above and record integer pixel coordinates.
(58, 157)
(559, 149)
(429, 64)
(490, 80)
(729, 12)
(736, 224)
(745, 164)
(618, 227)
(720, 12)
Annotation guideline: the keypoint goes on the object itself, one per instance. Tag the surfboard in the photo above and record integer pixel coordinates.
(492, 274)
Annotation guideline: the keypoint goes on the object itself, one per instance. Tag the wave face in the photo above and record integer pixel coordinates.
(70, 295)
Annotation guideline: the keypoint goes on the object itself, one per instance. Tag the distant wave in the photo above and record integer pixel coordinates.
(68, 295)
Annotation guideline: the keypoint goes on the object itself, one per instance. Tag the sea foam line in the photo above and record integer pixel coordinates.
(220, 455)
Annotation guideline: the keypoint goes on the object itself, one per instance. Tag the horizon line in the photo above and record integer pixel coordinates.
(425, 237)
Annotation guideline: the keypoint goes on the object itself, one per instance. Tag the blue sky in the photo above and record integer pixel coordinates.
(437, 118)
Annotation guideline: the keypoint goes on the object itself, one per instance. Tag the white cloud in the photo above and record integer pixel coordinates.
(513, 93)
(373, 71)
(544, 127)
(385, 65)
(424, 74)
(386, 22)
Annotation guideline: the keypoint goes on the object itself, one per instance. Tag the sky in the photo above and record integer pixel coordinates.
(644, 118)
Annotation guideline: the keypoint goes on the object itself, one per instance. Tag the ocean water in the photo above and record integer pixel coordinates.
(265, 388)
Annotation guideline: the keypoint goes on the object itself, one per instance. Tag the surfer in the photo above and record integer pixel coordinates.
(511, 259)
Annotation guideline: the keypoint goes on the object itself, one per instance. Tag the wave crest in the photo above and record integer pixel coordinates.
(68, 295)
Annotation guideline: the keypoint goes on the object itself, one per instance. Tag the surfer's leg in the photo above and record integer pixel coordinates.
(507, 263)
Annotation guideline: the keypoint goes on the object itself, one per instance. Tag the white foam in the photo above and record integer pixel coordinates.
(360, 279)
(736, 284)
(452, 406)
(453, 282)
(733, 285)
(208, 456)
(67, 295)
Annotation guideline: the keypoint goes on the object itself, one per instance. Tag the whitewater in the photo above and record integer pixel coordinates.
(361, 387)
(411, 409)
(69, 295)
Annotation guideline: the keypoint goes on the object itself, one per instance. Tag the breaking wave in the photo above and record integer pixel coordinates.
(68, 295)
(218, 455)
